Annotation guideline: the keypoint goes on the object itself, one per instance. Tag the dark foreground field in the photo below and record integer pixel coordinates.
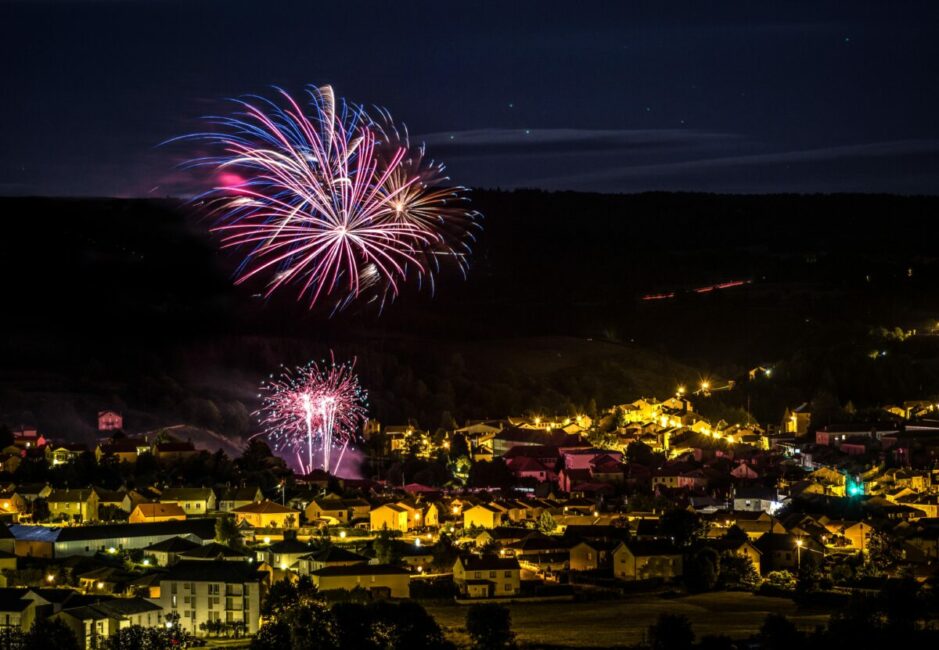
(624, 622)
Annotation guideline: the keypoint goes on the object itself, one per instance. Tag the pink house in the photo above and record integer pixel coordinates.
(586, 458)
(526, 467)
(110, 421)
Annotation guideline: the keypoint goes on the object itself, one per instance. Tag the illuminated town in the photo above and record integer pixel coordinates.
(469, 325)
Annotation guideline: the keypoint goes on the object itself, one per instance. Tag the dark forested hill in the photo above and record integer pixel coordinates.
(128, 302)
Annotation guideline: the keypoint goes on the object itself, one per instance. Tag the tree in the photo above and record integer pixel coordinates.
(445, 553)
(312, 627)
(671, 632)
(881, 556)
(781, 580)
(136, 637)
(285, 595)
(297, 619)
(546, 523)
(681, 525)
(51, 633)
(404, 626)
(737, 572)
(700, 570)
(386, 547)
(490, 626)
(779, 633)
(640, 453)
(226, 532)
(809, 577)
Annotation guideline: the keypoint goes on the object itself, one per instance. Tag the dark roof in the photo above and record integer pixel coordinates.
(11, 600)
(202, 528)
(212, 550)
(266, 508)
(763, 493)
(652, 547)
(488, 563)
(187, 494)
(337, 554)
(360, 570)
(119, 607)
(769, 542)
(217, 571)
(172, 545)
(69, 496)
(596, 532)
(289, 546)
(239, 494)
(533, 451)
(506, 532)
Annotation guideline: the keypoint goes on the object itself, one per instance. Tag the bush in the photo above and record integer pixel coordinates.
(490, 626)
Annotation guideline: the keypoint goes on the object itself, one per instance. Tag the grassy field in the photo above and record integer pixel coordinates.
(623, 622)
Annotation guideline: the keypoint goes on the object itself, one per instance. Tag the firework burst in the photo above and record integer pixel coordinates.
(313, 412)
(331, 201)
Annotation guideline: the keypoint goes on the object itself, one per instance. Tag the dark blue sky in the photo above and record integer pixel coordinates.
(613, 96)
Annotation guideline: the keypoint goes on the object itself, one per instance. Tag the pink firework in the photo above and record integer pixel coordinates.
(330, 201)
(313, 411)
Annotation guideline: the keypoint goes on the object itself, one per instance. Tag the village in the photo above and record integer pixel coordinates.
(533, 509)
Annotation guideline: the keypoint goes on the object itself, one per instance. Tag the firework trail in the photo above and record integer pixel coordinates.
(312, 411)
(330, 200)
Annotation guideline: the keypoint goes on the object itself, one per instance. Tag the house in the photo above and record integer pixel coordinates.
(590, 555)
(60, 454)
(784, 551)
(231, 498)
(739, 547)
(856, 533)
(757, 499)
(112, 499)
(646, 560)
(167, 451)
(755, 524)
(168, 551)
(17, 609)
(110, 421)
(525, 467)
(328, 557)
(285, 553)
(152, 512)
(24, 496)
(125, 451)
(73, 505)
(487, 577)
(104, 580)
(93, 624)
(335, 511)
(797, 420)
(379, 580)
(193, 501)
(200, 592)
(390, 516)
(483, 515)
(267, 514)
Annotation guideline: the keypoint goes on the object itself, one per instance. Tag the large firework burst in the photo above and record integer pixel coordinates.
(331, 201)
(313, 411)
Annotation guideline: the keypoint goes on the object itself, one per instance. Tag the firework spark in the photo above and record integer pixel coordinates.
(313, 411)
(330, 200)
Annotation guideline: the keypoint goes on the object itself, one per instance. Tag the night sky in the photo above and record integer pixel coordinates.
(625, 96)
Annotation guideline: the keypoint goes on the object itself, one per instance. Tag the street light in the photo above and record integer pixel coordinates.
(799, 553)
